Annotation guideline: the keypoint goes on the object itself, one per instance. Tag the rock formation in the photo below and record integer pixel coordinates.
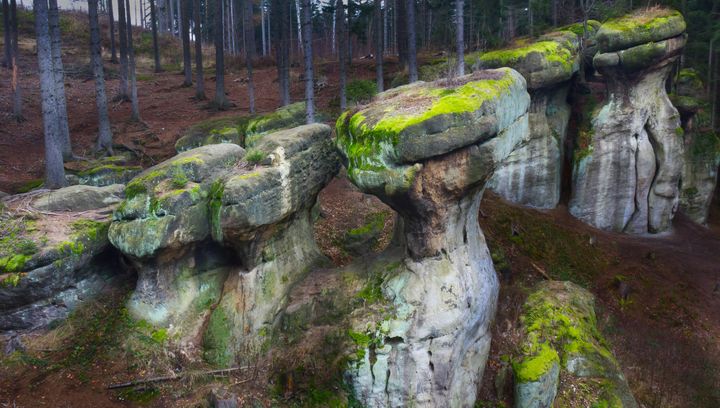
(561, 335)
(427, 150)
(531, 175)
(218, 236)
(628, 164)
(54, 253)
(702, 149)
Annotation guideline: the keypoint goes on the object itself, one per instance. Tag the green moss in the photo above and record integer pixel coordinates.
(30, 185)
(13, 263)
(552, 51)
(179, 178)
(642, 26)
(366, 144)
(217, 339)
(215, 206)
(71, 248)
(376, 223)
(532, 368)
(89, 228)
(11, 280)
(641, 56)
(107, 168)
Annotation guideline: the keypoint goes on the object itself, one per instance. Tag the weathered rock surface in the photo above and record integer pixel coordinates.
(217, 241)
(427, 150)
(531, 175)
(702, 149)
(627, 170)
(80, 198)
(50, 262)
(243, 130)
(102, 172)
(561, 334)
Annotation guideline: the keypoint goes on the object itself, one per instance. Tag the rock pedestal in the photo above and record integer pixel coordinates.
(531, 175)
(428, 150)
(218, 236)
(626, 174)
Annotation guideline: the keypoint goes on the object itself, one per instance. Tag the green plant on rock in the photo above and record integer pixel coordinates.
(254, 156)
(361, 90)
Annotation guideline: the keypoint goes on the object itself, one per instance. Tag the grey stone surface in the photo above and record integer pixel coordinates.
(79, 198)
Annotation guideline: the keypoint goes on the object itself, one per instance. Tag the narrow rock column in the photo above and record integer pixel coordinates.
(627, 180)
(428, 150)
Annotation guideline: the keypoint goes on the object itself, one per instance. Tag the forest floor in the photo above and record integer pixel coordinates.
(664, 335)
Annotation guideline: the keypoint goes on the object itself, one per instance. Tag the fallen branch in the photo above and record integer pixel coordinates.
(541, 271)
(173, 377)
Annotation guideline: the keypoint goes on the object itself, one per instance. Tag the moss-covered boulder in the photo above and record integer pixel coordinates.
(102, 172)
(427, 150)
(550, 60)
(561, 334)
(244, 130)
(51, 260)
(641, 27)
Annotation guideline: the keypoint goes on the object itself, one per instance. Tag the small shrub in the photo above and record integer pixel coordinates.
(361, 91)
(255, 156)
(179, 179)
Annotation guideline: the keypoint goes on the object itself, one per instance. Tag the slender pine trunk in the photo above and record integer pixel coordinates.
(154, 24)
(411, 40)
(6, 32)
(17, 95)
(185, 25)
(104, 140)
(54, 170)
(249, 30)
(199, 79)
(171, 24)
(220, 102)
(379, 46)
(460, 36)
(309, 71)
(135, 115)
(111, 28)
(123, 93)
(342, 51)
(59, 76)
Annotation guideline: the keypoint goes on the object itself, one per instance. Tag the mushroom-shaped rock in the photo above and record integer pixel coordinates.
(162, 225)
(626, 174)
(561, 335)
(264, 214)
(427, 150)
(702, 149)
(531, 175)
(52, 259)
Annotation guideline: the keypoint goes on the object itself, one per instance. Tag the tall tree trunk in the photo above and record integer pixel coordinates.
(309, 71)
(342, 51)
(531, 18)
(111, 24)
(401, 29)
(6, 32)
(249, 30)
(135, 111)
(154, 24)
(17, 96)
(123, 93)
(185, 25)
(262, 19)
(178, 8)
(379, 46)
(54, 170)
(59, 75)
(280, 11)
(411, 40)
(199, 79)
(104, 141)
(171, 25)
(554, 5)
(460, 35)
(220, 102)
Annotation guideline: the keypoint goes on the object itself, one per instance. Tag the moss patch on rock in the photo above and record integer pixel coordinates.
(642, 26)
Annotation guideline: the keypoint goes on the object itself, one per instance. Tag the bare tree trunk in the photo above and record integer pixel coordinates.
(54, 171)
(59, 75)
(262, 19)
(135, 115)
(460, 36)
(17, 96)
(411, 40)
(185, 25)
(531, 18)
(342, 51)
(309, 71)
(123, 93)
(172, 16)
(220, 102)
(280, 10)
(154, 24)
(104, 141)
(379, 46)
(199, 79)
(249, 33)
(178, 8)
(111, 24)
(6, 24)
(554, 5)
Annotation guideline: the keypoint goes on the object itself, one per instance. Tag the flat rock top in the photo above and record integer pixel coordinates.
(640, 27)
(80, 198)
(553, 58)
